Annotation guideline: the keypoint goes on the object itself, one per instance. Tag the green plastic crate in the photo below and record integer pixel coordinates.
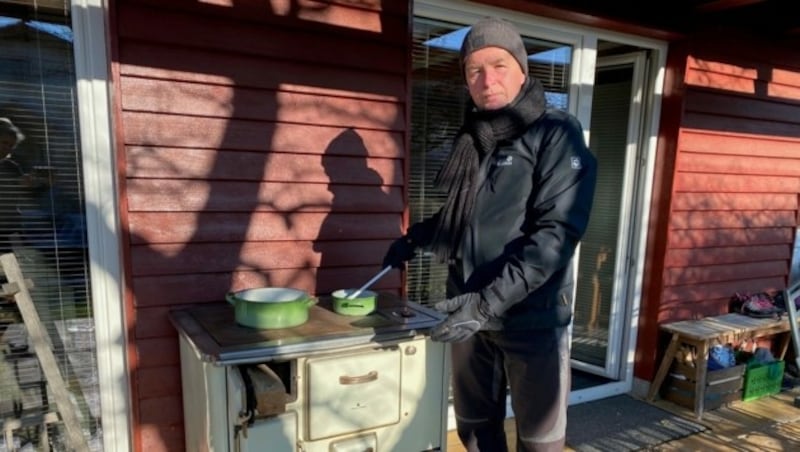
(762, 380)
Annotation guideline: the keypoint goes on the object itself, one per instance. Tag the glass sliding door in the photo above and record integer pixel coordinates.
(602, 292)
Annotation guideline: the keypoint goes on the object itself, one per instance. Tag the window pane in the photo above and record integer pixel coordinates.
(439, 97)
(42, 219)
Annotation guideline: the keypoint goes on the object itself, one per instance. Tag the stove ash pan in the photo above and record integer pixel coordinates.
(267, 388)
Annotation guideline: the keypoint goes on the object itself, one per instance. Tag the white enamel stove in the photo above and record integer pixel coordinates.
(334, 384)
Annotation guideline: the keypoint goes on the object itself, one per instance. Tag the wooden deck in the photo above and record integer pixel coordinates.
(771, 423)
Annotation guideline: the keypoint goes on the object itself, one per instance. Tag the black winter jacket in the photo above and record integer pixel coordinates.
(532, 207)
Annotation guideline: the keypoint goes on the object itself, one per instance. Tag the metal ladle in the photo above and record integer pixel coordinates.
(369, 283)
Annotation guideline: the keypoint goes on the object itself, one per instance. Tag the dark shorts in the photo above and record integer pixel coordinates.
(534, 366)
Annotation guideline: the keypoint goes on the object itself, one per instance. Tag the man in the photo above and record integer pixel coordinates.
(10, 137)
(31, 202)
(520, 182)
(14, 182)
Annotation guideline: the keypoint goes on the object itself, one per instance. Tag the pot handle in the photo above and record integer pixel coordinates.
(311, 301)
(230, 298)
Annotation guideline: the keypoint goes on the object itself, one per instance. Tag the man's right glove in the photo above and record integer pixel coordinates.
(400, 251)
(467, 313)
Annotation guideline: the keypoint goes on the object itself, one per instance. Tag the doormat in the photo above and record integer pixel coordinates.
(623, 423)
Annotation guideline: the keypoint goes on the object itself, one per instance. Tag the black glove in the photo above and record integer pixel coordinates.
(400, 251)
(468, 313)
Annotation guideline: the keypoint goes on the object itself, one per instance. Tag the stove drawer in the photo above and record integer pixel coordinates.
(350, 393)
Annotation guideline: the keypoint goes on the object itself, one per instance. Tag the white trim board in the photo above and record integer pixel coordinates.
(89, 19)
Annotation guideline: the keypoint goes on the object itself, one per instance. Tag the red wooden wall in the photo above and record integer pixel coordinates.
(728, 205)
(261, 144)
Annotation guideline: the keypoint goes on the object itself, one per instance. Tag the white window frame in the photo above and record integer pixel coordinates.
(89, 24)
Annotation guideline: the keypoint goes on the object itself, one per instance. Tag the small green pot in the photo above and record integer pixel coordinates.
(271, 307)
(363, 304)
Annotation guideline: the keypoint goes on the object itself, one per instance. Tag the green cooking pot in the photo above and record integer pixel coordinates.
(270, 307)
(362, 304)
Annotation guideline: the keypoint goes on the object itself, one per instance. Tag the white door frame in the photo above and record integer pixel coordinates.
(638, 185)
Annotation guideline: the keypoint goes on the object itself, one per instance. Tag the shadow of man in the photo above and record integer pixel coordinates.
(354, 235)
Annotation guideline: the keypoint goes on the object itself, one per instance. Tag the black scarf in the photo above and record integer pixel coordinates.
(475, 141)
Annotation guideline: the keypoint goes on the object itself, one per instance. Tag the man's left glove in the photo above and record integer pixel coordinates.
(467, 314)
(400, 251)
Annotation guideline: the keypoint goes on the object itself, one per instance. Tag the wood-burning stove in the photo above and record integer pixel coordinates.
(336, 383)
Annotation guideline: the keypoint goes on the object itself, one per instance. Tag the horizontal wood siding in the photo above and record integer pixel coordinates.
(263, 144)
(726, 216)
(734, 206)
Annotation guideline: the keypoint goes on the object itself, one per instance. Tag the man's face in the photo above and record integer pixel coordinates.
(494, 77)
(7, 143)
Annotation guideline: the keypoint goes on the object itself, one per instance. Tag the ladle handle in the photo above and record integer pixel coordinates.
(369, 283)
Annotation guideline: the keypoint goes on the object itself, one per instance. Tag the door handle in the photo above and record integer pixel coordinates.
(359, 379)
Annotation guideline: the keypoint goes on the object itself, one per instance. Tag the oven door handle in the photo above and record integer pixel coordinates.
(250, 396)
(359, 379)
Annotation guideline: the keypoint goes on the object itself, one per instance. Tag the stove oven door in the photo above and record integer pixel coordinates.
(277, 433)
(274, 434)
(349, 393)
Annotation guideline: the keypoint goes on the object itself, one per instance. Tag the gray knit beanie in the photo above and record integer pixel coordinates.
(494, 32)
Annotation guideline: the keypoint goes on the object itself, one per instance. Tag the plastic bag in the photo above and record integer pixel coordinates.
(721, 357)
(759, 305)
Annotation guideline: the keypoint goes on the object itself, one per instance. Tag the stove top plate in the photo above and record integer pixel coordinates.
(217, 337)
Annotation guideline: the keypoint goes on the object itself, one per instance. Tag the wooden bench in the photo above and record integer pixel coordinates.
(701, 335)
